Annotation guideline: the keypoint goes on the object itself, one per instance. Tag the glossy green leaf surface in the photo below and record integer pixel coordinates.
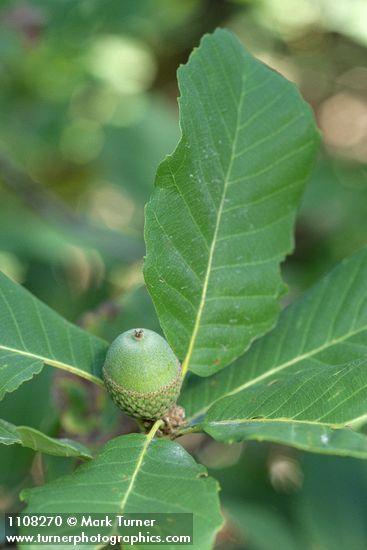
(38, 441)
(221, 217)
(303, 379)
(31, 335)
(135, 474)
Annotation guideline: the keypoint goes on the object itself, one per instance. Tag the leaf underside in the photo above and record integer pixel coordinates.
(222, 214)
(133, 474)
(306, 380)
(33, 439)
(32, 335)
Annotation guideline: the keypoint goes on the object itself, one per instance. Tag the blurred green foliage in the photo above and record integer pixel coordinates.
(88, 110)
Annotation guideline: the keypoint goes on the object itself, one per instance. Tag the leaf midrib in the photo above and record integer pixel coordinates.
(55, 363)
(139, 463)
(148, 439)
(280, 368)
(186, 362)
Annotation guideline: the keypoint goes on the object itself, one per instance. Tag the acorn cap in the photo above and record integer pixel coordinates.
(142, 373)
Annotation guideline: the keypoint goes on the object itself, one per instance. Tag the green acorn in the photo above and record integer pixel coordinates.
(142, 374)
